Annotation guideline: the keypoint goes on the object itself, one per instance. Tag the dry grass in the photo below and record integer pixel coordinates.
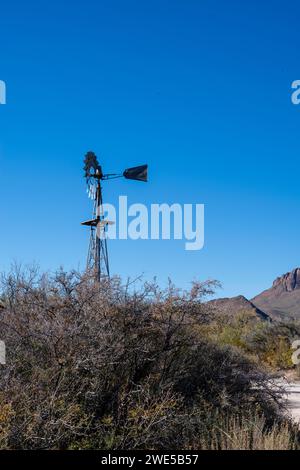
(236, 433)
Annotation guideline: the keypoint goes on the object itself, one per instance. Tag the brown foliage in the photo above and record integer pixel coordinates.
(109, 367)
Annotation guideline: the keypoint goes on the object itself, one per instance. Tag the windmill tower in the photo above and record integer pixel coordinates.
(97, 260)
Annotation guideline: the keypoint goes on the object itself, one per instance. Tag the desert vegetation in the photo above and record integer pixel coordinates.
(121, 367)
(265, 342)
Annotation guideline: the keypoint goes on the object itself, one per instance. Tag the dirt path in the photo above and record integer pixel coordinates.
(293, 397)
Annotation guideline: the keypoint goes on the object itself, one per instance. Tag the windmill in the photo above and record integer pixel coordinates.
(97, 260)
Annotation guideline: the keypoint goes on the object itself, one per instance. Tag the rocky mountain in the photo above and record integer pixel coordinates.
(236, 305)
(282, 300)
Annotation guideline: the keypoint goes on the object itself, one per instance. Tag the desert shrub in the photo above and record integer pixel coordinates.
(262, 341)
(271, 342)
(6, 417)
(110, 367)
(234, 329)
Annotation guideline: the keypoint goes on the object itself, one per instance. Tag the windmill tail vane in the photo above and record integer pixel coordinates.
(97, 259)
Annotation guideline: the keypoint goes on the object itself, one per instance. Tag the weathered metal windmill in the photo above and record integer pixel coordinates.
(97, 260)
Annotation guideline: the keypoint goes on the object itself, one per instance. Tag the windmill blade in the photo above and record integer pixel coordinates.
(91, 163)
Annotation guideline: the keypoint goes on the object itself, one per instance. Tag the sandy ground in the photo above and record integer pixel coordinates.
(293, 398)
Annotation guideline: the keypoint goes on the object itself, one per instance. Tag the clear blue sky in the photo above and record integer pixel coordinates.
(199, 89)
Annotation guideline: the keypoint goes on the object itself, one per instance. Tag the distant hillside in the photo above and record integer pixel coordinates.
(235, 305)
(283, 298)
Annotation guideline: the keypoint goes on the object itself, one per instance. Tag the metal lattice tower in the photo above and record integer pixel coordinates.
(97, 260)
